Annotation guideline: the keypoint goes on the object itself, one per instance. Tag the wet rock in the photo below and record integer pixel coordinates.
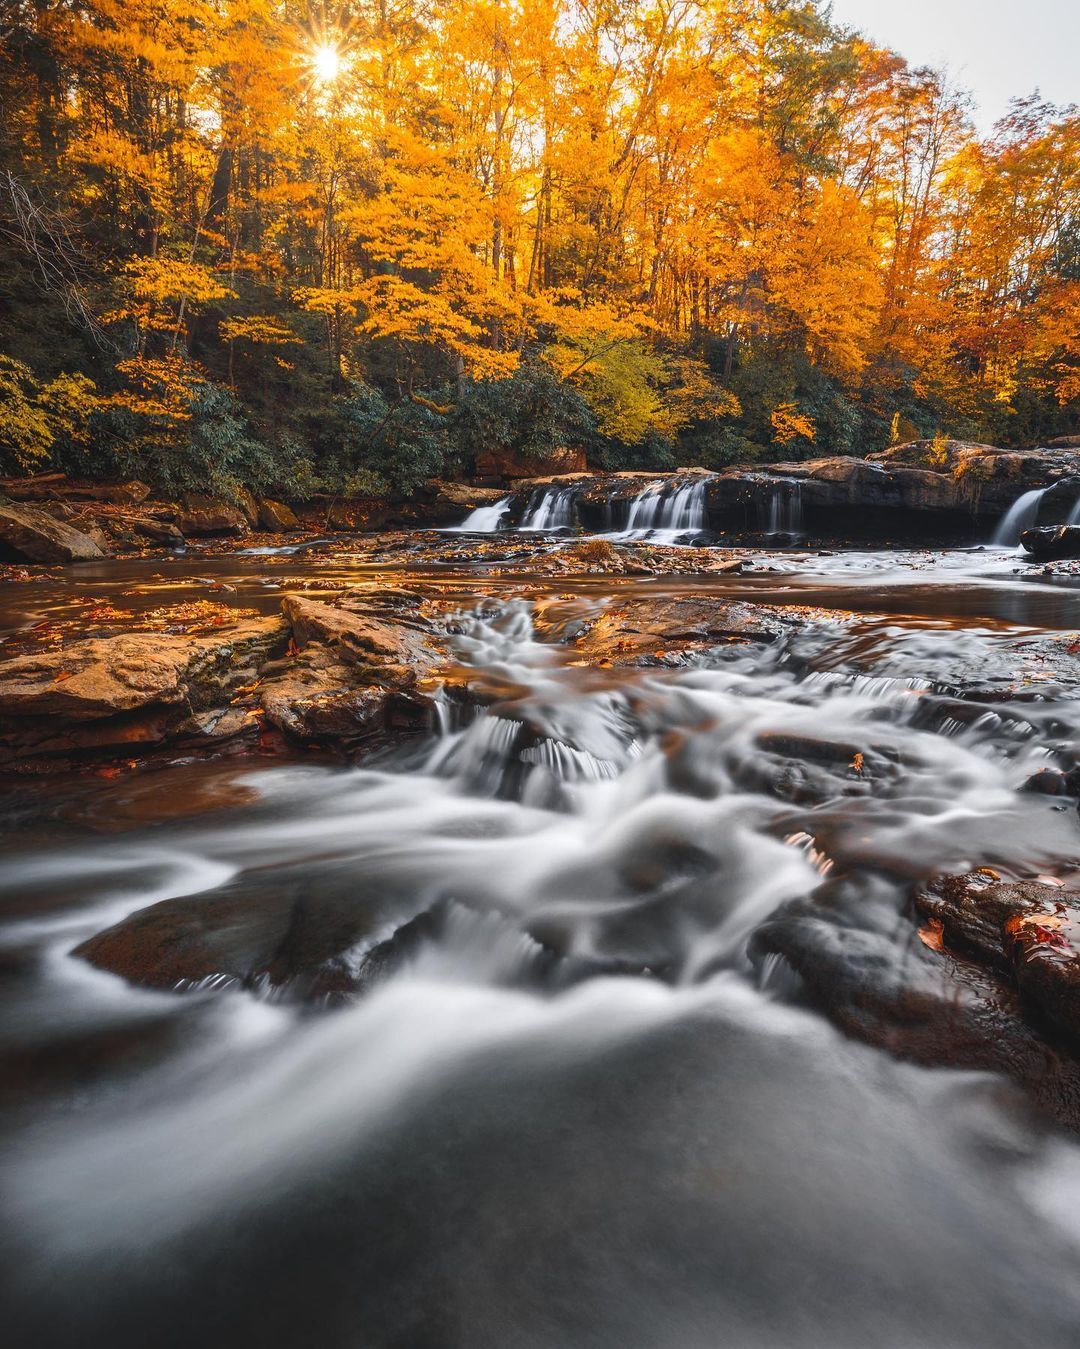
(283, 934)
(276, 517)
(100, 677)
(318, 700)
(360, 637)
(1027, 930)
(651, 631)
(205, 515)
(1054, 782)
(129, 693)
(1051, 544)
(28, 534)
(357, 672)
(917, 999)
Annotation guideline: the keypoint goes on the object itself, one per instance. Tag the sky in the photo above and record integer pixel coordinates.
(994, 48)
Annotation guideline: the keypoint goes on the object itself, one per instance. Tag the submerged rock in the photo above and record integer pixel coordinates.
(284, 933)
(28, 534)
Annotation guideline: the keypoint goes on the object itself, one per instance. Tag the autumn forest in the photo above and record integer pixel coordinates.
(352, 247)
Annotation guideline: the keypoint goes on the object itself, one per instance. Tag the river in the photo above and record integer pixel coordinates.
(581, 1110)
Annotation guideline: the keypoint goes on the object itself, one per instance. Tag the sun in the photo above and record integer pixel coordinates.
(326, 62)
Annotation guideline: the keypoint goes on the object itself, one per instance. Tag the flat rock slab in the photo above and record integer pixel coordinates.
(656, 630)
(104, 676)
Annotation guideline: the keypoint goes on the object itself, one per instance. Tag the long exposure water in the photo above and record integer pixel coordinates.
(576, 1112)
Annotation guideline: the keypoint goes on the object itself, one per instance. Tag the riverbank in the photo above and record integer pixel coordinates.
(932, 492)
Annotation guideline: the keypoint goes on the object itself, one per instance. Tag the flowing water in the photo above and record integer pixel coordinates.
(550, 508)
(665, 512)
(484, 519)
(784, 515)
(1022, 514)
(578, 1113)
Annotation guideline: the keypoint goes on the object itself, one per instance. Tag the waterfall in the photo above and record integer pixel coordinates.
(485, 519)
(1021, 515)
(785, 508)
(550, 508)
(665, 513)
(1074, 514)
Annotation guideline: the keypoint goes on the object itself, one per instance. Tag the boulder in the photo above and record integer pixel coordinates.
(317, 699)
(359, 636)
(157, 531)
(248, 506)
(450, 500)
(354, 514)
(282, 932)
(277, 518)
(28, 534)
(1051, 544)
(202, 515)
(919, 999)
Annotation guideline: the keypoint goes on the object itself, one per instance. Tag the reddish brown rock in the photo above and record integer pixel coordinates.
(100, 677)
(1027, 930)
(509, 465)
(318, 699)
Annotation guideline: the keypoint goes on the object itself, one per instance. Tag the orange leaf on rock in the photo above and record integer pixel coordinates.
(932, 934)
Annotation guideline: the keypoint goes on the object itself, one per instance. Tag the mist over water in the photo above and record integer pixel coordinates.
(576, 1112)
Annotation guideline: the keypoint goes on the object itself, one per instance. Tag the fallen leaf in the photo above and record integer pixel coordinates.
(932, 934)
(61, 675)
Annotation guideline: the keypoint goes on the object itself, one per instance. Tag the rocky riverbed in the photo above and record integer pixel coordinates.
(530, 938)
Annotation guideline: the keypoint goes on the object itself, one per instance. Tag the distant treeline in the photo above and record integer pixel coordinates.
(346, 247)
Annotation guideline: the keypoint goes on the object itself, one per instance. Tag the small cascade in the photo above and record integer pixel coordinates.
(550, 508)
(1021, 515)
(661, 511)
(485, 519)
(1074, 514)
(784, 514)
